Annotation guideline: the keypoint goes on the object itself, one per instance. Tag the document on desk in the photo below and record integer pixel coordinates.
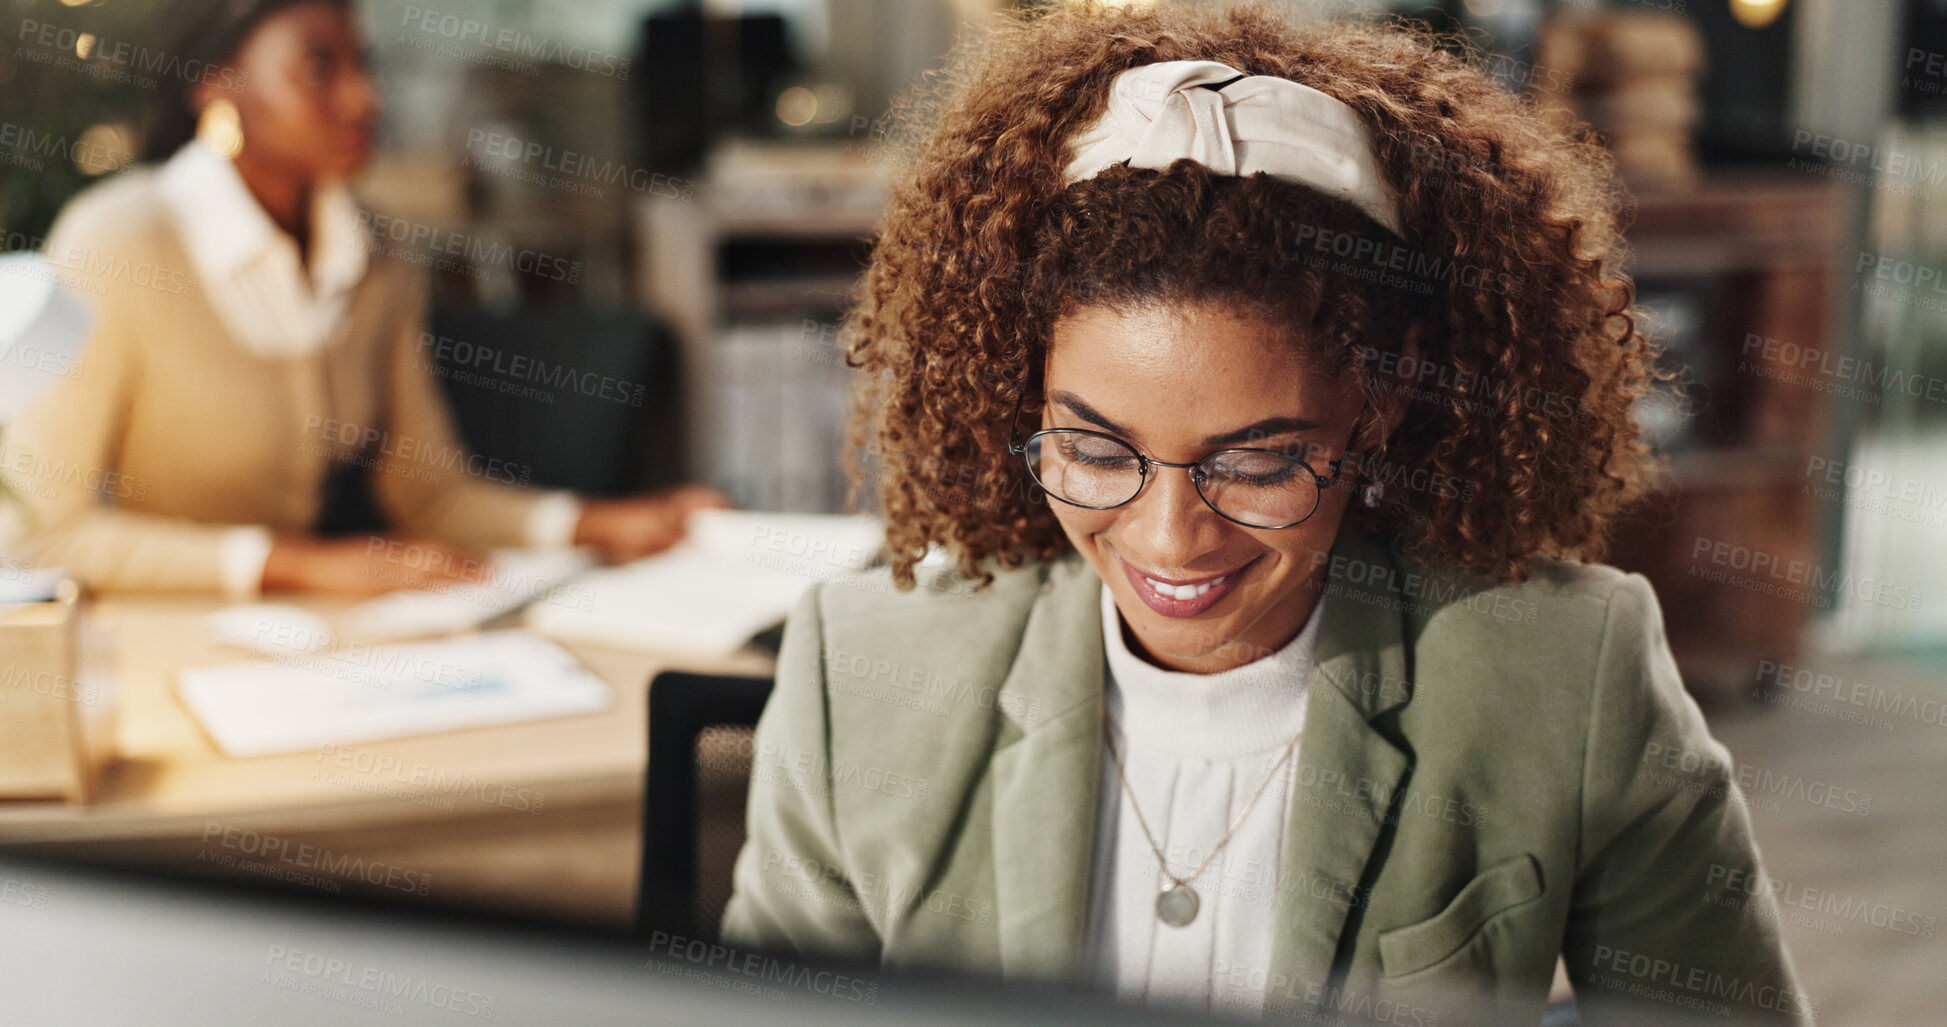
(362, 693)
(737, 573)
(514, 578)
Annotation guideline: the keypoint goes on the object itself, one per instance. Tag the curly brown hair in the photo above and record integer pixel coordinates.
(1529, 359)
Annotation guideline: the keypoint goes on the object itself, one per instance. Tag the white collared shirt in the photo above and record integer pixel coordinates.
(261, 288)
(277, 307)
(1195, 748)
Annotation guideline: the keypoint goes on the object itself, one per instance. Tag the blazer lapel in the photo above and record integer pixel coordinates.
(1046, 779)
(1347, 774)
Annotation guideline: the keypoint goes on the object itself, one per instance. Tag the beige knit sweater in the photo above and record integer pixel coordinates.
(169, 432)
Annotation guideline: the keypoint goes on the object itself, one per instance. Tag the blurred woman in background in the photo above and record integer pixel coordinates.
(252, 371)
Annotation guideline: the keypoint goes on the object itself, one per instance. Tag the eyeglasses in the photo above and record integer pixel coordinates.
(1257, 488)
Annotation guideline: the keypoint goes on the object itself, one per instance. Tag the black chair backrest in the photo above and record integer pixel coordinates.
(693, 799)
(576, 398)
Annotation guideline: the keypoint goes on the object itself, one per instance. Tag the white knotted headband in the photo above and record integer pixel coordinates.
(1236, 124)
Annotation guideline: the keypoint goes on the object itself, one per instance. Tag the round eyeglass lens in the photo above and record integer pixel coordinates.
(1259, 488)
(1084, 468)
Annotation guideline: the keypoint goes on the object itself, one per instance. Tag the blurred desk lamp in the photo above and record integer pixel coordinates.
(42, 331)
(54, 742)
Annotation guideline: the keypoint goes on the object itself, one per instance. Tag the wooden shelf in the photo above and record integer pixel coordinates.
(1763, 246)
(765, 299)
(1762, 222)
(1720, 468)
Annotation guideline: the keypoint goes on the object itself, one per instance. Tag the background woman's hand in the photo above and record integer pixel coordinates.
(368, 565)
(639, 526)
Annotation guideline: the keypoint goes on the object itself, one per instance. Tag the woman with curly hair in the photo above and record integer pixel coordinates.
(1269, 387)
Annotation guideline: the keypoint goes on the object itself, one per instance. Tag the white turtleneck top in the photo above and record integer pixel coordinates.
(1195, 747)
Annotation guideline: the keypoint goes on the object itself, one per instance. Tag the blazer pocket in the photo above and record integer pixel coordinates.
(1499, 888)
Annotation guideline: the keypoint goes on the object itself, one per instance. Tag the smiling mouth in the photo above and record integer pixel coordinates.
(1191, 591)
(1183, 598)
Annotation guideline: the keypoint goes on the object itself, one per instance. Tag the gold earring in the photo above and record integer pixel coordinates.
(220, 127)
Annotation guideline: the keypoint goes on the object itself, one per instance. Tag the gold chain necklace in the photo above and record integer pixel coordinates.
(1177, 905)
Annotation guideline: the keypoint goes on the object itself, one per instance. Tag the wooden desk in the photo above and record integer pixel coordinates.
(539, 819)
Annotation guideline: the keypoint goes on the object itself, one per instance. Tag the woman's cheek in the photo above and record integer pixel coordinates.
(1081, 526)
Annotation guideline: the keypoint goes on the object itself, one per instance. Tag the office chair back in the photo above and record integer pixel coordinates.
(700, 729)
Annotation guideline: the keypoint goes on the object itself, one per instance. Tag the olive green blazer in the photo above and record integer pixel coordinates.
(1489, 776)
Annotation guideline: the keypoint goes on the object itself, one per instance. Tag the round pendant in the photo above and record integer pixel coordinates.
(1177, 906)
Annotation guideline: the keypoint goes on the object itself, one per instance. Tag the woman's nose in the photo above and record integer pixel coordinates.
(1168, 523)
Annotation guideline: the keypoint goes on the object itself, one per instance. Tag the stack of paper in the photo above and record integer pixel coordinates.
(736, 574)
(515, 577)
(777, 419)
(361, 693)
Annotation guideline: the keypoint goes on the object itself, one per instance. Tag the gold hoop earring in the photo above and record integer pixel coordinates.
(220, 127)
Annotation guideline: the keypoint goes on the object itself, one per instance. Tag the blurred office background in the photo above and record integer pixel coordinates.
(682, 194)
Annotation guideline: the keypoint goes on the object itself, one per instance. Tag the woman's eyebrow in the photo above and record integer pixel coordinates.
(1270, 427)
(1267, 428)
(1088, 413)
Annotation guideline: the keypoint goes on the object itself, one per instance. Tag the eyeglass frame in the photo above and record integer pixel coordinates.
(1017, 446)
